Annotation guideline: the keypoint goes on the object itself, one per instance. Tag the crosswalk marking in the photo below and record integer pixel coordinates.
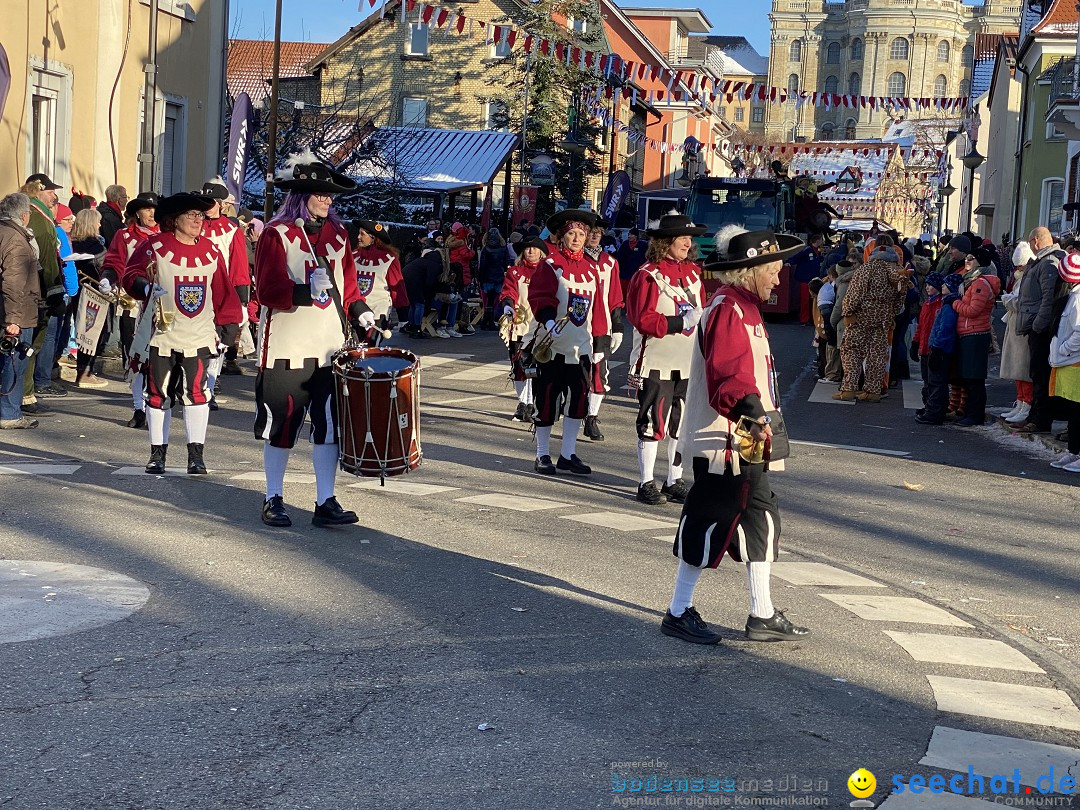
(1036, 705)
(436, 360)
(813, 573)
(399, 487)
(962, 650)
(169, 473)
(484, 371)
(39, 469)
(515, 503)
(894, 609)
(290, 478)
(873, 450)
(956, 750)
(823, 393)
(621, 521)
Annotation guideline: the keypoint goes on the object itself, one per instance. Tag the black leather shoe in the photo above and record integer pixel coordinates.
(544, 466)
(689, 627)
(592, 429)
(274, 514)
(195, 463)
(676, 493)
(573, 465)
(648, 493)
(137, 420)
(232, 369)
(330, 513)
(213, 403)
(156, 464)
(923, 419)
(777, 628)
(519, 413)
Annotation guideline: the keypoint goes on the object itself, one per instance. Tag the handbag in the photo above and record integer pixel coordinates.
(780, 446)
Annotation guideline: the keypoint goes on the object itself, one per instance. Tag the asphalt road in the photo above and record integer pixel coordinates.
(354, 668)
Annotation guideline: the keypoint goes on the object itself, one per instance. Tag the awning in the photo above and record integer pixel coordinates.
(438, 161)
(984, 210)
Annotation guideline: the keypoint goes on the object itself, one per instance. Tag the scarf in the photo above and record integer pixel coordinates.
(577, 257)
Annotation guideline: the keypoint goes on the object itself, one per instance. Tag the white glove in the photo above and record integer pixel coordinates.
(597, 357)
(550, 326)
(691, 318)
(320, 282)
(508, 311)
(366, 320)
(105, 286)
(616, 342)
(158, 291)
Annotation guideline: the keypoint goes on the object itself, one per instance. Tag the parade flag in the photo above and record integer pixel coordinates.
(90, 318)
(617, 189)
(240, 130)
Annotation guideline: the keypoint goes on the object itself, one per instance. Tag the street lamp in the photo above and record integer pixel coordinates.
(972, 160)
(946, 191)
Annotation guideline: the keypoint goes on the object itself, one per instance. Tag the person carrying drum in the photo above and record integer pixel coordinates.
(305, 280)
(565, 295)
(140, 225)
(378, 273)
(663, 303)
(183, 276)
(612, 312)
(517, 320)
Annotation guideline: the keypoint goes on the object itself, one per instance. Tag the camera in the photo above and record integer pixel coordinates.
(10, 345)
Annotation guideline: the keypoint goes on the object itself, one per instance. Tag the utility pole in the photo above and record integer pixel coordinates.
(146, 156)
(271, 146)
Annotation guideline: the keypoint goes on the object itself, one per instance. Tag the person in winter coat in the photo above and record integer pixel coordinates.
(1065, 363)
(920, 343)
(845, 269)
(630, 255)
(459, 243)
(1039, 288)
(495, 257)
(974, 309)
(20, 296)
(86, 238)
(942, 345)
(112, 212)
(1015, 349)
(420, 276)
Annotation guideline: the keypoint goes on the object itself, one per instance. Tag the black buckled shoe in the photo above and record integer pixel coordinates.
(274, 514)
(689, 627)
(330, 513)
(530, 413)
(232, 368)
(776, 628)
(137, 420)
(519, 413)
(195, 463)
(592, 429)
(156, 464)
(573, 465)
(648, 493)
(544, 466)
(213, 403)
(676, 493)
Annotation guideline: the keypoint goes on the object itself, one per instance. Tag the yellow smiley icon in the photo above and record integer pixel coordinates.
(862, 783)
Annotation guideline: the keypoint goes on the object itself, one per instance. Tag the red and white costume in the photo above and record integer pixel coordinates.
(515, 291)
(229, 239)
(379, 279)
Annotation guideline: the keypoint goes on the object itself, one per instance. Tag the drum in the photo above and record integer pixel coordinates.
(378, 403)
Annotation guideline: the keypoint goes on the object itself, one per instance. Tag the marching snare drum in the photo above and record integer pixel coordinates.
(378, 404)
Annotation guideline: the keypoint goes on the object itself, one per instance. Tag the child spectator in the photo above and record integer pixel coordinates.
(820, 340)
(920, 343)
(942, 348)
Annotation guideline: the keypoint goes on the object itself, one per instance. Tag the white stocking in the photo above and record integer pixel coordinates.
(543, 441)
(686, 579)
(595, 400)
(761, 606)
(157, 421)
(196, 418)
(275, 460)
(674, 470)
(324, 457)
(570, 428)
(646, 455)
(138, 391)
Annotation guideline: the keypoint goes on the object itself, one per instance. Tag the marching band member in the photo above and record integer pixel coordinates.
(731, 508)
(612, 312)
(140, 225)
(229, 239)
(515, 293)
(378, 273)
(305, 280)
(664, 305)
(565, 296)
(185, 277)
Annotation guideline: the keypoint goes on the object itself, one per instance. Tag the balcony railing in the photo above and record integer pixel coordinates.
(1065, 82)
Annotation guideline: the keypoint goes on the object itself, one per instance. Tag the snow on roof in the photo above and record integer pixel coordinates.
(740, 58)
(872, 158)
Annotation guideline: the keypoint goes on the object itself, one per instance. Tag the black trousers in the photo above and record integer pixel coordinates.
(939, 368)
(1042, 411)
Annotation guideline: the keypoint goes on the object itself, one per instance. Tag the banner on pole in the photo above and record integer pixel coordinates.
(90, 318)
(240, 130)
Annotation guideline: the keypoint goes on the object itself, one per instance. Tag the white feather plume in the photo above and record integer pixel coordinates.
(652, 224)
(294, 160)
(216, 180)
(724, 237)
(674, 212)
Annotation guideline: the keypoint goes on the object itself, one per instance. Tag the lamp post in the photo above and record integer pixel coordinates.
(946, 191)
(972, 160)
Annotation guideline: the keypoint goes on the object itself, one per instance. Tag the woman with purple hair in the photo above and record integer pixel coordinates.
(305, 281)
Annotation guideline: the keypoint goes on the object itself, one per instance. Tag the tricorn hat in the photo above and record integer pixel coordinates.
(751, 248)
(307, 174)
(376, 229)
(559, 220)
(177, 204)
(148, 199)
(534, 242)
(44, 181)
(673, 226)
(216, 189)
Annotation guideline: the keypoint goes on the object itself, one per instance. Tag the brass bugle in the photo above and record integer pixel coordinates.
(541, 350)
(118, 295)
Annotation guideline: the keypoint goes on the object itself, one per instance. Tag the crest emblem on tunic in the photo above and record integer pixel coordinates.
(366, 283)
(190, 296)
(577, 307)
(93, 309)
(681, 308)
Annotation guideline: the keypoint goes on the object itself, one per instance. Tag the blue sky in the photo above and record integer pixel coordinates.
(326, 20)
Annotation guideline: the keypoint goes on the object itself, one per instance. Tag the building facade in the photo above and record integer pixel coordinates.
(915, 48)
(77, 84)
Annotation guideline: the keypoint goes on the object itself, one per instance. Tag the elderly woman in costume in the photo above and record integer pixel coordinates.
(731, 405)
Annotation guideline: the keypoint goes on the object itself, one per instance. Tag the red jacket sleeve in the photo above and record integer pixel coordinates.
(615, 290)
(399, 296)
(599, 320)
(115, 261)
(136, 269)
(351, 291)
(510, 286)
(239, 272)
(729, 362)
(227, 307)
(641, 299)
(977, 301)
(544, 290)
(273, 284)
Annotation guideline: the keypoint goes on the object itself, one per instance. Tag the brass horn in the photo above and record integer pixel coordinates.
(508, 322)
(541, 350)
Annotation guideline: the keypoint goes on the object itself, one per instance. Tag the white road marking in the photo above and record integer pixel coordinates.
(448, 402)
(935, 801)
(813, 573)
(290, 478)
(621, 520)
(962, 650)
(515, 503)
(484, 371)
(894, 609)
(1006, 701)
(875, 450)
(173, 473)
(436, 360)
(912, 394)
(823, 393)
(396, 486)
(34, 468)
(987, 754)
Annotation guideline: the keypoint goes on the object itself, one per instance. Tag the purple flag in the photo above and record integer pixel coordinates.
(240, 132)
(617, 189)
(5, 78)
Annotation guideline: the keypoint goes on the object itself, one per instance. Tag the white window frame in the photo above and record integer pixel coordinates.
(1044, 203)
(415, 29)
(489, 108)
(792, 55)
(889, 85)
(740, 114)
(405, 120)
(893, 49)
(858, 53)
(52, 81)
(501, 49)
(941, 88)
(177, 8)
(757, 115)
(835, 85)
(834, 47)
(579, 26)
(948, 51)
(854, 88)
